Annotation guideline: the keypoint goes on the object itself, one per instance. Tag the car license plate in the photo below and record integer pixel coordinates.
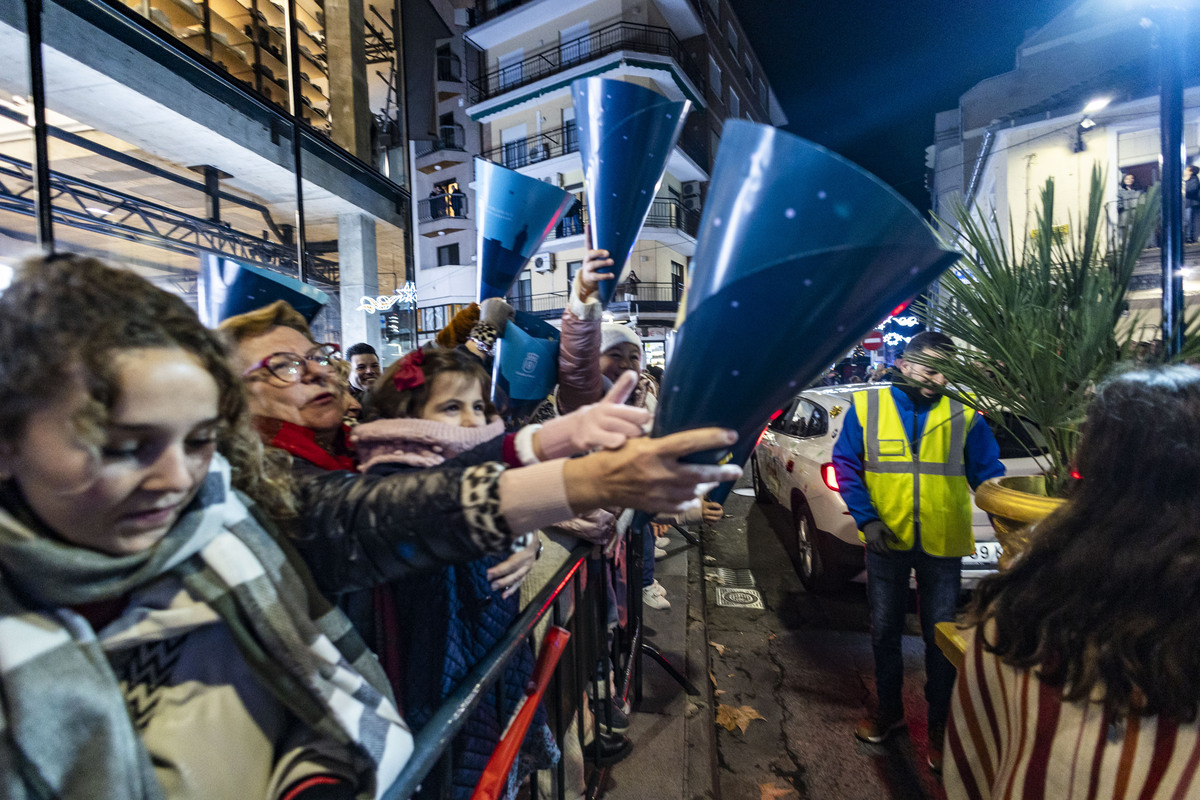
(986, 553)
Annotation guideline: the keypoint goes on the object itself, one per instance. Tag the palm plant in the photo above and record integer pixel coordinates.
(1039, 319)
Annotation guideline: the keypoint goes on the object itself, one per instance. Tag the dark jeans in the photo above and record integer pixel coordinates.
(648, 556)
(938, 584)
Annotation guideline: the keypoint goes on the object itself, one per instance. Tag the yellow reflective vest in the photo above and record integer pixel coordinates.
(929, 484)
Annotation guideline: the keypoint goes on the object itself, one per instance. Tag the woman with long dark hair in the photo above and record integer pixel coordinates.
(1081, 678)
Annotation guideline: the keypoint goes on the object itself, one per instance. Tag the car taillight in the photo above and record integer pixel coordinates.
(829, 476)
(759, 440)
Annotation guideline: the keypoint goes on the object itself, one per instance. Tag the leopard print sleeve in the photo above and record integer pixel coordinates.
(481, 505)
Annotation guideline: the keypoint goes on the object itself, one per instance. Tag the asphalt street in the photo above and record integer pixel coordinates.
(804, 665)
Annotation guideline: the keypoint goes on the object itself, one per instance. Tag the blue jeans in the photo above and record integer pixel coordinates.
(938, 584)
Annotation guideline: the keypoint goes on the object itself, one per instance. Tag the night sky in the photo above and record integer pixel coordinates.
(865, 79)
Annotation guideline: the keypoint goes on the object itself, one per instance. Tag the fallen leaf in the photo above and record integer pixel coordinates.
(769, 791)
(731, 717)
(731, 674)
(718, 692)
(712, 678)
(769, 638)
(720, 648)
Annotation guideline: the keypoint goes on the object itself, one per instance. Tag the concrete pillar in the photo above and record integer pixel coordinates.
(359, 271)
(348, 99)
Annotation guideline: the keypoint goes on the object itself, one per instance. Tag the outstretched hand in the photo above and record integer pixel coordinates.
(647, 474)
(607, 424)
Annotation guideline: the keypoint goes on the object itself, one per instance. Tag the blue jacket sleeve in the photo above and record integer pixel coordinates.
(848, 466)
(982, 453)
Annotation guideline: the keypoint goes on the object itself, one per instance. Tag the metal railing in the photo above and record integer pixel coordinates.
(629, 298)
(664, 213)
(450, 137)
(442, 206)
(587, 656)
(539, 147)
(610, 39)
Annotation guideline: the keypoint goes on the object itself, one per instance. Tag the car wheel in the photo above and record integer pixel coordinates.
(761, 493)
(817, 569)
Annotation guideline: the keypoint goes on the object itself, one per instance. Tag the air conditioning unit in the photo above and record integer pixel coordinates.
(539, 152)
(691, 202)
(543, 263)
(464, 17)
(691, 188)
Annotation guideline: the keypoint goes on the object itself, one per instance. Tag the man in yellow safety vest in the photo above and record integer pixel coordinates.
(906, 462)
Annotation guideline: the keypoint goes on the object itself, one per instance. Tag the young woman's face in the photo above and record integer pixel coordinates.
(155, 453)
(620, 357)
(312, 401)
(456, 398)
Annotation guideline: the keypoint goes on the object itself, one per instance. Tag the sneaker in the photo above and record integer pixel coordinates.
(657, 588)
(878, 727)
(620, 720)
(652, 600)
(607, 749)
(937, 736)
(659, 553)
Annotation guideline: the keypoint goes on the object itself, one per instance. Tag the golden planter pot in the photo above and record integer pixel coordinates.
(1015, 503)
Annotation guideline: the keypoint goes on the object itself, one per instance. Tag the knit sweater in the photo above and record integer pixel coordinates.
(1011, 736)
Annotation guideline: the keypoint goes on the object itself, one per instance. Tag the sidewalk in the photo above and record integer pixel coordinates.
(674, 741)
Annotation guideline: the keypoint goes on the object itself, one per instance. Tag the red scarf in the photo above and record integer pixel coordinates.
(302, 443)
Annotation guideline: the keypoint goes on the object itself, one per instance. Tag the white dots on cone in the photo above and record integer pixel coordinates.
(717, 222)
(791, 384)
(808, 281)
(913, 271)
(790, 213)
(734, 373)
(821, 195)
(675, 388)
(733, 304)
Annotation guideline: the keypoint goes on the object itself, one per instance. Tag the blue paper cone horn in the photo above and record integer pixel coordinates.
(525, 367)
(800, 253)
(626, 135)
(516, 214)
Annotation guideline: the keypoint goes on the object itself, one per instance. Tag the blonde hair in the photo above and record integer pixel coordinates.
(279, 314)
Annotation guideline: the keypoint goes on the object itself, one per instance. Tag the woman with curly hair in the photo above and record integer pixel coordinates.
(1080, 676)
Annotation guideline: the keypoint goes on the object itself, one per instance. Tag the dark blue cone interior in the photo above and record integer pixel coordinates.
(227, 288)
(800, 254)
(526, 364)
(626, 134)
(515, 214)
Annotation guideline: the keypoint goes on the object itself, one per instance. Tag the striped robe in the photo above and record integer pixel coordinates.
(1011, 736)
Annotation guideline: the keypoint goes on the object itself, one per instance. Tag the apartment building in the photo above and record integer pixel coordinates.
(1083, 93)
(517, 62)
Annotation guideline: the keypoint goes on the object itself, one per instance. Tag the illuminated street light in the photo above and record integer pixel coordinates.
(1098, 104)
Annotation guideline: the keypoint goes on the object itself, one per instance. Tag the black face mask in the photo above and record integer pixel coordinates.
(913, 390)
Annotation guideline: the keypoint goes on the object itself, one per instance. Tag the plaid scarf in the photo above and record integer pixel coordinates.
(63, 718)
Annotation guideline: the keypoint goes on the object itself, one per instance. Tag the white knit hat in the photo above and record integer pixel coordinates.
(612, 334)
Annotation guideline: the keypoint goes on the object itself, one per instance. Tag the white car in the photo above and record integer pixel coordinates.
(793, 464)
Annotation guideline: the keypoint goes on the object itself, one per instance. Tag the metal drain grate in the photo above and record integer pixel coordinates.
(735, 597)
(725, 576)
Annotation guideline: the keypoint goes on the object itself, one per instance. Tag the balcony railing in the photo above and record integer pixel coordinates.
(613, 38)
(664, 213)
(539, 147)
(449, 68)
(450, 137)
(442, 206)
(629, 299)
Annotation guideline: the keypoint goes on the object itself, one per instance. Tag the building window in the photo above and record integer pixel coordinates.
(677, 271)
(749, 69)
(714, 77)
(516, 148)
(714, 6)
(731, 37)
(572, 268)
(735, 105)
(522, 290)
(447, 255)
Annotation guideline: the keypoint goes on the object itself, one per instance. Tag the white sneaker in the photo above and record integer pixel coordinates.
(657, 588)
(659, 553)
(652, 600)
